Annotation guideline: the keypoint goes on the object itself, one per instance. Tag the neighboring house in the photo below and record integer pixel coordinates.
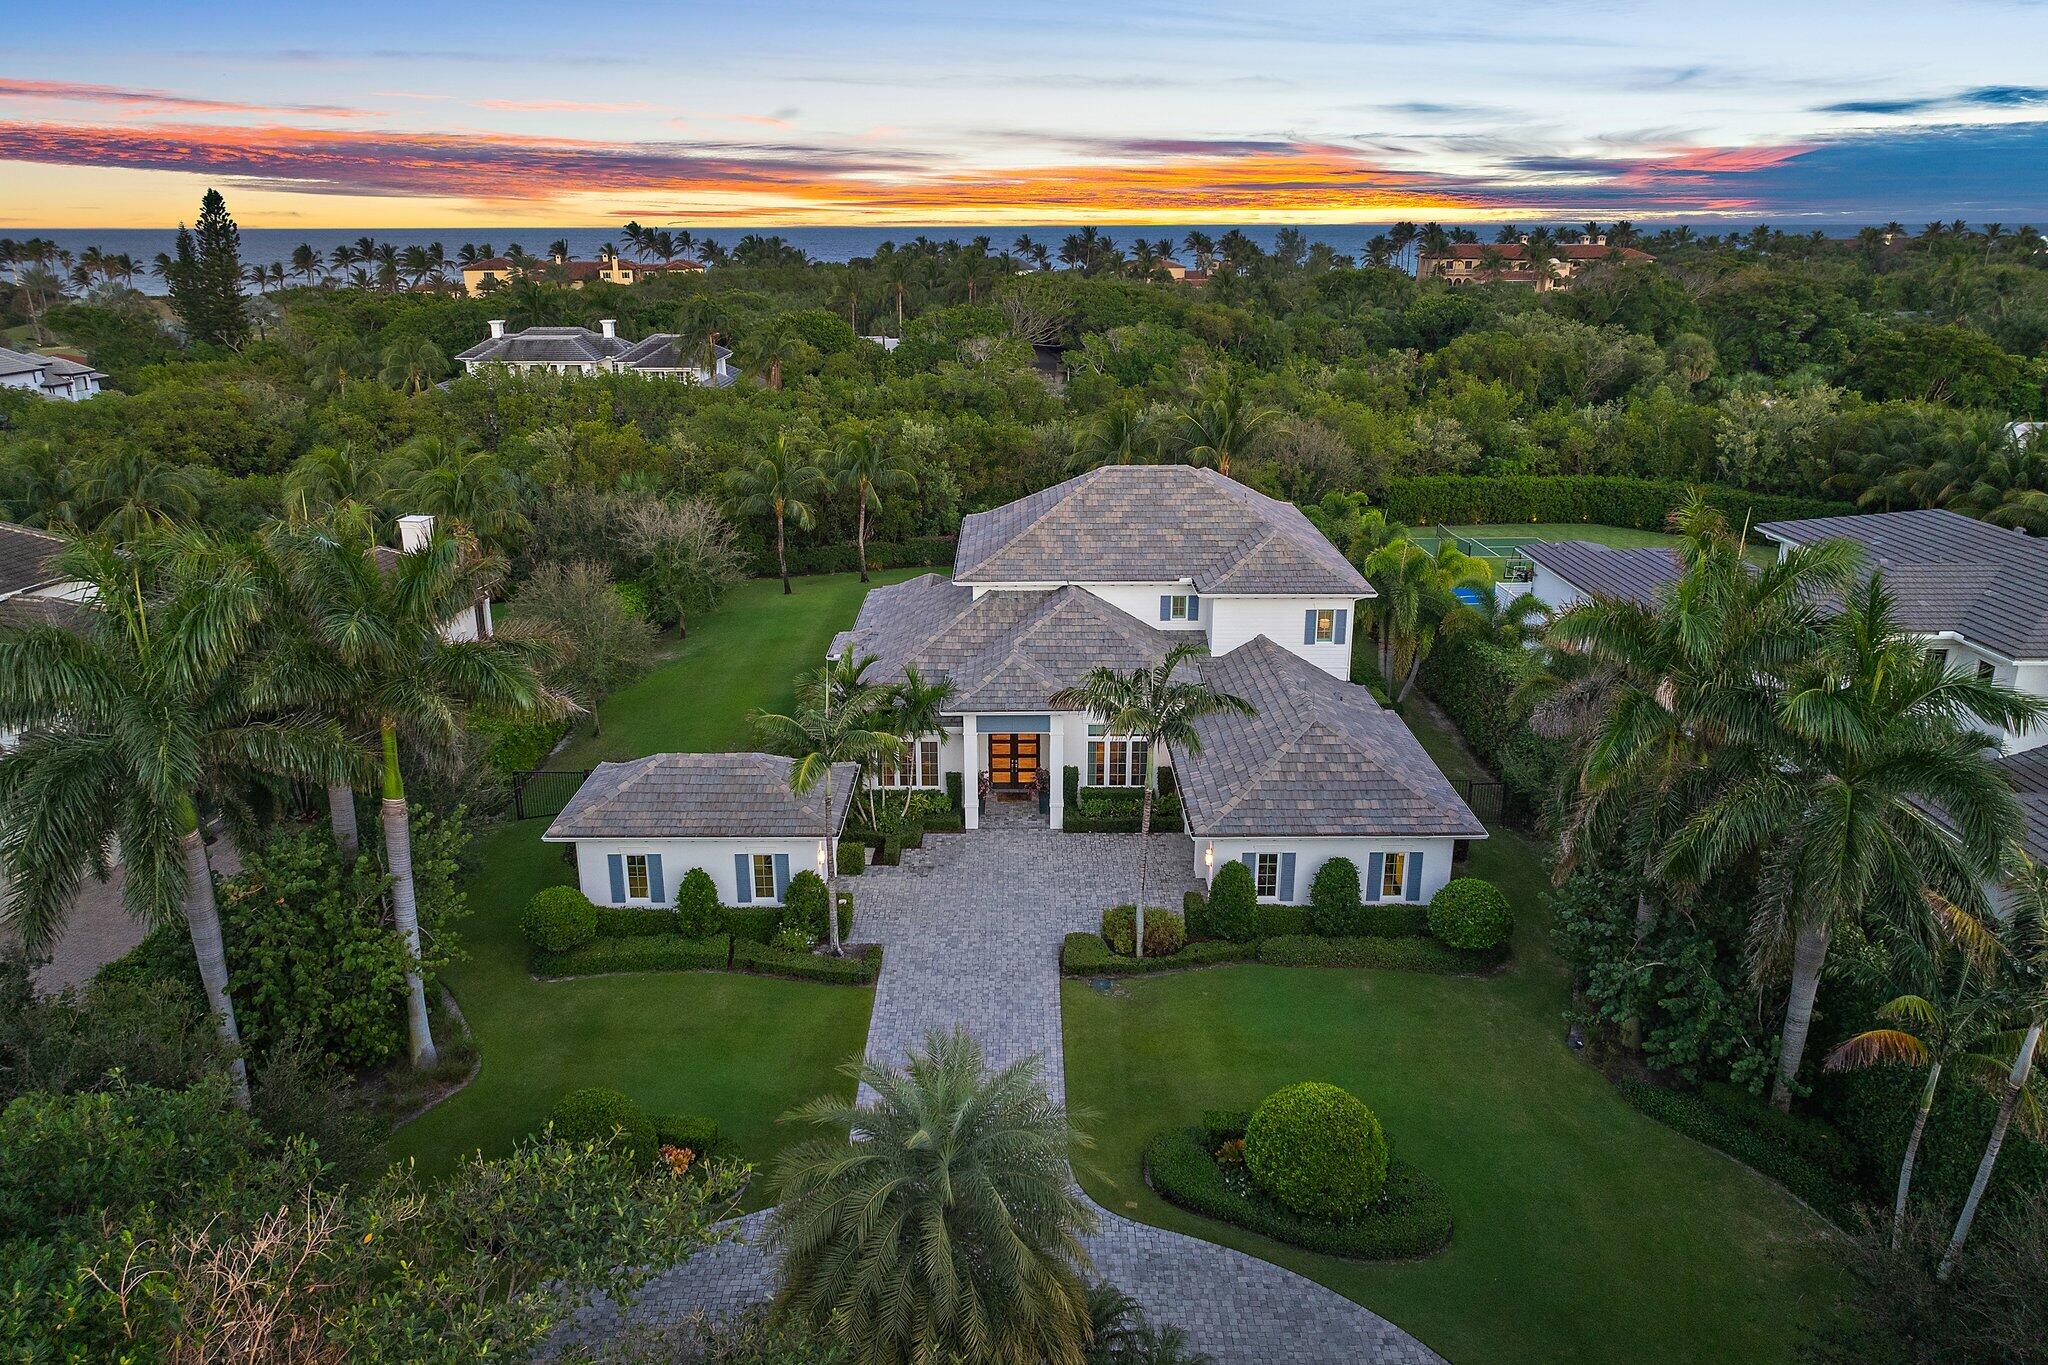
(578, 350)
(1183, 274)
(32, 593)
(1568, 572)
(48, 376)
(1977, 593)
(494, 272)
(1508, 263)
(639, 826)
(413, 533)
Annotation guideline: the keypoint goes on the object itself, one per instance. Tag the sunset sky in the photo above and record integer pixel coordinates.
(383, 115)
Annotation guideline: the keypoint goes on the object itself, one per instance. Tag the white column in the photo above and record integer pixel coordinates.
(1057, 776)
(970, 771)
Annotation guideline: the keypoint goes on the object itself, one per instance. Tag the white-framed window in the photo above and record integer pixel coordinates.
(1938, 657)
(1986, 670)
(916, 765)
(636, 877)
(1326, 625)
(1266, 875)
(1116, 760)
(763, 867)
(1394, 876)
(1177, 608)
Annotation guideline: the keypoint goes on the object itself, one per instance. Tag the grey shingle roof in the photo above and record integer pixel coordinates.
(1007, 651)
(1154, 524)
(2028, 773)
(1637, 575)
(683, 796)
(1948, 572)
(25, 555)
(581, 346)
(1320, 757)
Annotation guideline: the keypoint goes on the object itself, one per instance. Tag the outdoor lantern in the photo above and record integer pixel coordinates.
(821, 853)
(1209, 856)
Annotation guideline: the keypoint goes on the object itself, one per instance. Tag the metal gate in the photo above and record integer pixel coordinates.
(544, 791)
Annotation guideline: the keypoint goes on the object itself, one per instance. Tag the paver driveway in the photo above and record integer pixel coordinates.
(971, 927)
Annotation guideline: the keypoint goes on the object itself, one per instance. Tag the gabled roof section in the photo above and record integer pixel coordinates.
(1154, 524)
(1948, 572)
(702, 796)
(1637, 575)
(25, 557)
(2028, 773)
(1319, 758)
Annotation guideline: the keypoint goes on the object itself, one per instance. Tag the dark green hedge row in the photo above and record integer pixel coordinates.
(1397, 920)
(1474, 681)
(694, 1131)
(859, 968)
(923, 552)
(634, 921)
(1412, 1218)
(1601, 499)
(1394, 954)
(1762, 1151)
(1085, 954)
(666, 953)
(757, 923)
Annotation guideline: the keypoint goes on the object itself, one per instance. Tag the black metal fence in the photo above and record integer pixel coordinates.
(1485, 796)
(544, 791)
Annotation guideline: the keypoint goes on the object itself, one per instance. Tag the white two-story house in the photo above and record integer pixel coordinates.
(580, 351)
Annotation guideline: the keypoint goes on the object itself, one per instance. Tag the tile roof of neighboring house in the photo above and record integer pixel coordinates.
(1637, 575)
(56, 370)
(25, 555)
(1515, 251)
(581, 346)
(1320, 757)
(1154, 524)
(2028, 773)
(29, 610)
(1948, 572)
(711, 796)
(1006, 651)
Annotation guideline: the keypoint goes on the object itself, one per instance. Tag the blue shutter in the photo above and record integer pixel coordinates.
(782, 876)
(1308, 626)
(1415, 876)
(1342, 613)
(1375, 868)
(1287, 877)
(1251, 865)
(742, 880)
(654, 889)
(618, 866)
(1165, 607)
(1194, 607)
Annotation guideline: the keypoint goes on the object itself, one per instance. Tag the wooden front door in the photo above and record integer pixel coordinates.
(1013, 760)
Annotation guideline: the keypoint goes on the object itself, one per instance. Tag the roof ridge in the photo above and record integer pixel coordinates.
(1070, 485)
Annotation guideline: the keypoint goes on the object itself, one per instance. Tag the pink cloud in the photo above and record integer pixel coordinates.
(80, 93)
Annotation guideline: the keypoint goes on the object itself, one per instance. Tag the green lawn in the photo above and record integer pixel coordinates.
(1584, 1231)
(741, 1049)
(1614, 537)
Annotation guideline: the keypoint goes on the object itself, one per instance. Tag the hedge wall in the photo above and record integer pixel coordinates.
(1764, 1151)
(1395, 954)
(667, 953)
(1085, 954)
(924, 552)
(1643, 504)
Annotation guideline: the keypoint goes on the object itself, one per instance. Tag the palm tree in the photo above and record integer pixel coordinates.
(397, 675)
(412, 364)
(781, 485)
(128, 726)
(326, 477)
(950, 1229)
(127, 493)
(1216, 429)
(839, 719)
(471, 487)
(1119, 435)
(1921, 1033)
(770, 347)
(1831, 805)
(1416, 592)
(2026, 933)
(1150, 704)
(867, 467)
(918, 710)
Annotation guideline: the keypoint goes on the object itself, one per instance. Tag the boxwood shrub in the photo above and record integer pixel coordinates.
(1393, 919)
(597, 1114)
(750, 923)
(853, 857)
(1396, 954)
(1085, 954)
(1317, 1149)
(1165, 932)
(854, 969)
(1411, 1218)
(558, 918)
(1335, 907)
(1194, 915)
(633, 921)
(697, 904)
(1471, 913)
(663, 953)
(693, 1131)
(1280, 919)
(803, 904)
(1234, 903)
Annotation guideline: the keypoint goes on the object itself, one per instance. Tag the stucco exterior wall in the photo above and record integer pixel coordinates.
(1235, 620)
(678, 856)
(1311, 853)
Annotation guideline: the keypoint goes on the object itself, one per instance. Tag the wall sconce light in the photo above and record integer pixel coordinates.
(1209, 856)
(821, 853)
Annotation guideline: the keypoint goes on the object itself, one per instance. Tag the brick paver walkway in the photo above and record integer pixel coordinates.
(971, 926)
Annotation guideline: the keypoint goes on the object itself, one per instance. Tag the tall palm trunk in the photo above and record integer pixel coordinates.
(202, 921)
(341, 818)
(1144, 859)
(405, 911)
(2022, 1067)
(1912, 1153)
(831, 874)
(860, 535)
(1809, 952)
(782, 553)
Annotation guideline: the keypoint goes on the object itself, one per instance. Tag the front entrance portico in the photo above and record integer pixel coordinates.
(1011, 754)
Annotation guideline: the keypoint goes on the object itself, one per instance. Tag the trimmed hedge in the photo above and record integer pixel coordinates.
(857, 969)
(1600, 499)
(694, 1131)
(1273, 921)
(1411, 1218)
(1234, 904)
(1194, 913)
(853, 857)
(597, 1114)
(665, 953)
(1335, 907)
(1165, 932)
(557, 919)
(1318, 1149)
(1764, 1152)
(633, 921)
(751, 923)
(919, 552)
(1393, 919)
(1085, 954)
(1393, 954)
(1471, 913)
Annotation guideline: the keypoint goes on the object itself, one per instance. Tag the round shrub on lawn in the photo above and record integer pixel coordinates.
(595, 1113)
(1317, 1149)
(1234, 903)
(697, 904)
(1335, 907)
(1471, 913)
(559, 918)
(1165, 932)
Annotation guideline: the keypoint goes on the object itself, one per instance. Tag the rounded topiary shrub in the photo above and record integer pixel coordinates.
(1335, 907)
(596, 1114)
(697, 904)
(559, 918)
(1471, 913)
(1317, 1149)
(1165, 932)
(804, 902)
(1234, 904)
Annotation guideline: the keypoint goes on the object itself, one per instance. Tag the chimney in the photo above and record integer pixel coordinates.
(414, 532)
(610, 328)
(497, 329)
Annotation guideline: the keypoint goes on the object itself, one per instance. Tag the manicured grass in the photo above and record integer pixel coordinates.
(747, 654)
(1583, 1230)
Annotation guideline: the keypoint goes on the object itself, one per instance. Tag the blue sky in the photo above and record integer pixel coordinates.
(875, 111)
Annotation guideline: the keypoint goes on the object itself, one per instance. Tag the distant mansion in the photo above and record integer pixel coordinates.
(495, 272)
(1509, 263)
(48, 376)
(578, 350)
(1107, 570)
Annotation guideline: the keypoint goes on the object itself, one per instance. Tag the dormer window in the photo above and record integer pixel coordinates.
(1326, 625)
